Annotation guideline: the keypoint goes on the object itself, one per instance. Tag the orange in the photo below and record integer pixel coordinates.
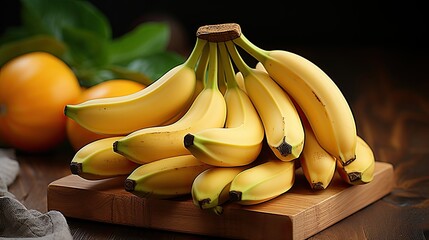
(79, 136)
(34, 89)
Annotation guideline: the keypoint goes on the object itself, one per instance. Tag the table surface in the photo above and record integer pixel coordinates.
(387, 90)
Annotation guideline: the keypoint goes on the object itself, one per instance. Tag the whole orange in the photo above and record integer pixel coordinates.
(34, 89)
(79, 136)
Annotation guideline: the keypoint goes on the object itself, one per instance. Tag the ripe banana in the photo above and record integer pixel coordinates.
(165, 178)
(96, 160)
(210, 188)
(263, 181)
(283, 128)
(361, 170)
(208, 110)
(317, 94)
(155, 105)
(318, 165)
(240, 141)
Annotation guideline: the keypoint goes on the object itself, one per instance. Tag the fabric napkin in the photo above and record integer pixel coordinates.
(18, 222)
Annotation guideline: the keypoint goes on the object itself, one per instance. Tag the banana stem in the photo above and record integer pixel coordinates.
(238, 60)
(193, 58)
(212, 73)
(227, 66)
(255, 51)
(200, 72)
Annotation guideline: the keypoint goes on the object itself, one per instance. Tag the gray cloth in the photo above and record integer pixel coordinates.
(18, 222)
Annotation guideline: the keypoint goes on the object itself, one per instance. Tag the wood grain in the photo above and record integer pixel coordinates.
(297, 214)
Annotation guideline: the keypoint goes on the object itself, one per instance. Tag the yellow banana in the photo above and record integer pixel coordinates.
(96, 160)
(240, 141)
(210, 188)
(317, 94)
(208, 110)
(283, 128)
(165, 178)
(361, 170)
(318, 165)
(263, 181)
(155, 105)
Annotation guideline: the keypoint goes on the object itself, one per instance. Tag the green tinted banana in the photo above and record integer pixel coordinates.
(240, 141)
(317, 94)
(361, 170)
(207, 111)
(154, 105)
(283, 128)
(210, 188)
(263, 182)
(97, 160)
(318, 165)
(165, 178)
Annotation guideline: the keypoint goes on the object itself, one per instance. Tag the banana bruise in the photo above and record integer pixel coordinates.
(154, 105)
(207, 111)
(283, 128)
(263, 182)
(96, 160)
(317, 94)
(210, 189)
(240, 141)
(361, 170)
(318, 166)
(166, 178)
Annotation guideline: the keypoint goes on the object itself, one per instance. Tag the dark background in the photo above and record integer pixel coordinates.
(355, 32)
(276, 24)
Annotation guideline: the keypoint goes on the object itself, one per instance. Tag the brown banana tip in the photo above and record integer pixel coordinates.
(354, 176)
(284, 148)
(318, 186)
(203, 202)
(235, 196)
(348, 161)
(115, 146)
(188, 140)
(76, 168)
(129, 185)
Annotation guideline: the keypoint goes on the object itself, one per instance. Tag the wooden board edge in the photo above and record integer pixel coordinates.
(181, 216)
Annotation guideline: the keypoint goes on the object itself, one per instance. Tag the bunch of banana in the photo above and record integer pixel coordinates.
(239, 142)
(220, 131)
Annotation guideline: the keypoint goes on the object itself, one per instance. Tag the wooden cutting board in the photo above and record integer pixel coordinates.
(297, 214)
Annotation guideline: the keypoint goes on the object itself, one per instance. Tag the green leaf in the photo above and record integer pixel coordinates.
(144, 40)
(155, 65)
(42, 43)
(51, 17)
(85, 49)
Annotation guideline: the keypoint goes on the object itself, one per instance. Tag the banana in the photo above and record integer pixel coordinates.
(240, 141)
(262, 182)
(283, 128)
(154, 105)
(317, 94)
(361, 170)
(208, 110)
(166, 178)
(318, 165)
(210, 188)
(96, 160)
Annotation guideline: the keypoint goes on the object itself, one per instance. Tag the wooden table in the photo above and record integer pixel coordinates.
(388, 91)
